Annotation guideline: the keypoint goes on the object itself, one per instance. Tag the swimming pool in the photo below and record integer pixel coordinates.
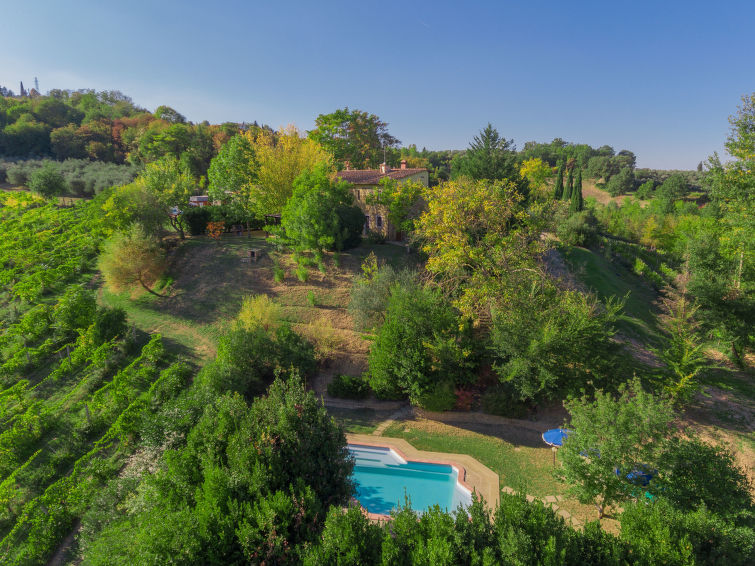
(383, 478)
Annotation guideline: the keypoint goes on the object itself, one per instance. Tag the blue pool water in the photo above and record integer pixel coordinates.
(383, 479)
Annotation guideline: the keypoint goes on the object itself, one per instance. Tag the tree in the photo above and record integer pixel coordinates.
(282, 158)
(371, 291)
(481, 241)
(621, 183)
(673, 188)
(569, 185)
(611, 437)
(548, 343)
(536, 171)
(171, 185)
(694, 473)
(131, 256)
(403, 201)
(681, 351)
(133, 203)
(577, 203)
(313, 218)
(233, 174)
(490, 157)
(169, 115)
(354, 136)
(420, 347)
(558, 189)
(48, 181)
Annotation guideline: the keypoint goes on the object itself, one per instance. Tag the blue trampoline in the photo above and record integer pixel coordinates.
(556, 436)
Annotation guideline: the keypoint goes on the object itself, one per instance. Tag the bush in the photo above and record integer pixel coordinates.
(260, 311)
(439, 398)
(420, 344)
(302, 273)
(579, 229)
(279, 274)
(349, 387)
(373, 237)
(503, 400)
(371, 290)
(197, 218)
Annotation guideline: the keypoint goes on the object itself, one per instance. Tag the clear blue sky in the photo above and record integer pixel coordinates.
(659, 78)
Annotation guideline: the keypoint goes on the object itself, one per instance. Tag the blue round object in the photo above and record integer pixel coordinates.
(555, 436)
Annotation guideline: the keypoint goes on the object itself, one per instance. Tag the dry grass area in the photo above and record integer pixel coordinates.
(211, 278)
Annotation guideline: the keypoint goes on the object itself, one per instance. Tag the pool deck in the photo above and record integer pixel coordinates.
(472, 474)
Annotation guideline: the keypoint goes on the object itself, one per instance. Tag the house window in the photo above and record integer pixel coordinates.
(379, 221)
(358, 194)
(366, 221)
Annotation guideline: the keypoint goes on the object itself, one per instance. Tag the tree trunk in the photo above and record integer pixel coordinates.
(143, 284)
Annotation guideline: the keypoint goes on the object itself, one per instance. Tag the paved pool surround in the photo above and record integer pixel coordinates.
(472, 475)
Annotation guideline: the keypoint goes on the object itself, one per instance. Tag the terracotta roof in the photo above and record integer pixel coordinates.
(373, 176)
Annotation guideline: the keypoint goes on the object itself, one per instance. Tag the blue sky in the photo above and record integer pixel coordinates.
(659, 78)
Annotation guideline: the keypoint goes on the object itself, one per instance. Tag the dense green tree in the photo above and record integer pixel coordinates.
(169, 115)
(48, 181)
(693, 473)
(548, 342)
(658, 533)
(311, 219)
(371, 291)
(577, 202)
(569, 185)
(558, 189)
(611, 437)
(420, 345)
(354, 136)
(621, 183)
(490, 157)
(171, 184)
(233, 174)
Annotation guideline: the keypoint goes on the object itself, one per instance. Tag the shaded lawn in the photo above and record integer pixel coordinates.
(358, 421)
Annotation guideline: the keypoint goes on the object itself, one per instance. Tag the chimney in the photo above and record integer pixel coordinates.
(384, 168)
(403, 163)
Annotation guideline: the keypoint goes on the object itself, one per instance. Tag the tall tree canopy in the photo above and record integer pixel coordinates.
(491, 157)
(354, 136)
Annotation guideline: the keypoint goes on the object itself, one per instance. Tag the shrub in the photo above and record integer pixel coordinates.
(302, 273)
(579, 229)
(503, 400)
(260, 311)
(373, 237)
(279, 274)
(371, 290)
(349, 387)
(464, 399)
(327, 340)
(420, 344)
(47, 181)
(197, 218)
(311, 299)
(439, 398)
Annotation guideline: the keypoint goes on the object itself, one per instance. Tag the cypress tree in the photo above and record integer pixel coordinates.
(577, 202)
(569, 185)
(558, 190)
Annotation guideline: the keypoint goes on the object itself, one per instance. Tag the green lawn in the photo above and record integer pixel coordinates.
(523, 468)
(608, 279)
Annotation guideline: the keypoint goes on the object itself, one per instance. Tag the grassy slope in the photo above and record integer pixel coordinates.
(610, 280)
(210, 281)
